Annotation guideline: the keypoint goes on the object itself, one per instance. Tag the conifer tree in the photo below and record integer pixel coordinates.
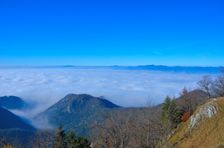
(170, 113)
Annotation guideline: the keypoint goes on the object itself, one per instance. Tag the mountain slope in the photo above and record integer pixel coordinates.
(13, 129)
(76, 112)
(204, 129)
(12, 102)
(11, 121)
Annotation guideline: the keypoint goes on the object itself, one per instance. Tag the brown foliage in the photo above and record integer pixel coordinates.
(186, 116)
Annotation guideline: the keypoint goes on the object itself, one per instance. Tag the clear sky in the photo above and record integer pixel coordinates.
(112, 32)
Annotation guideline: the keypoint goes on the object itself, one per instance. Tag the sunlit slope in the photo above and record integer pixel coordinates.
(205, 128)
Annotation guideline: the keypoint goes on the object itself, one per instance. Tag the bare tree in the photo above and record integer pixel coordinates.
(206, 85)
(43, 139)
(114, 132)
(132, 127)
(186, 101)
(218, 86)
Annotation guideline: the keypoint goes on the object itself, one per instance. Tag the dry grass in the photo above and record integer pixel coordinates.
(208, 134)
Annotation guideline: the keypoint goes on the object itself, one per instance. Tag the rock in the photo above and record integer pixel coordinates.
(206, 111)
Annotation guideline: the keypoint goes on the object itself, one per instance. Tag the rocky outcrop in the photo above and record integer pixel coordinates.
(204, 129)
(208, 110)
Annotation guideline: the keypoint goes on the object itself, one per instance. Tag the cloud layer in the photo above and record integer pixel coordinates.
(123, 87)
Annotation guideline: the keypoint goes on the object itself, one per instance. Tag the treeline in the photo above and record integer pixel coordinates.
(47, 139)
(61, 139)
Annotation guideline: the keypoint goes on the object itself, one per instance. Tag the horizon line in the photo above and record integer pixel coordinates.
(70, 65)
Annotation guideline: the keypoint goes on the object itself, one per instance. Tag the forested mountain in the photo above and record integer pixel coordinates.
(77, 112)
(12, 102)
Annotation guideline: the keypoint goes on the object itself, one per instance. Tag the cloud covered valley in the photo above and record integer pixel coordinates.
(129, 88)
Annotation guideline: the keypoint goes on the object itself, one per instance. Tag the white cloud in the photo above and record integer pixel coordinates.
(123, 87)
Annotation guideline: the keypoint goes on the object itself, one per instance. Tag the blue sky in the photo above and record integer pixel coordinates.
(112, 32)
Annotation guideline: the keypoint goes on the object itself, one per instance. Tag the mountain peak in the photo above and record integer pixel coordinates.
(85, 99)
(12, 102)
(76, 111)
(77, 96)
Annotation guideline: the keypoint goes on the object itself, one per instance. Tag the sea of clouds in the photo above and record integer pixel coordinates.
(130, 88)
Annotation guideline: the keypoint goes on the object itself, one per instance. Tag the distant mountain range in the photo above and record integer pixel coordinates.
(188, 69)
